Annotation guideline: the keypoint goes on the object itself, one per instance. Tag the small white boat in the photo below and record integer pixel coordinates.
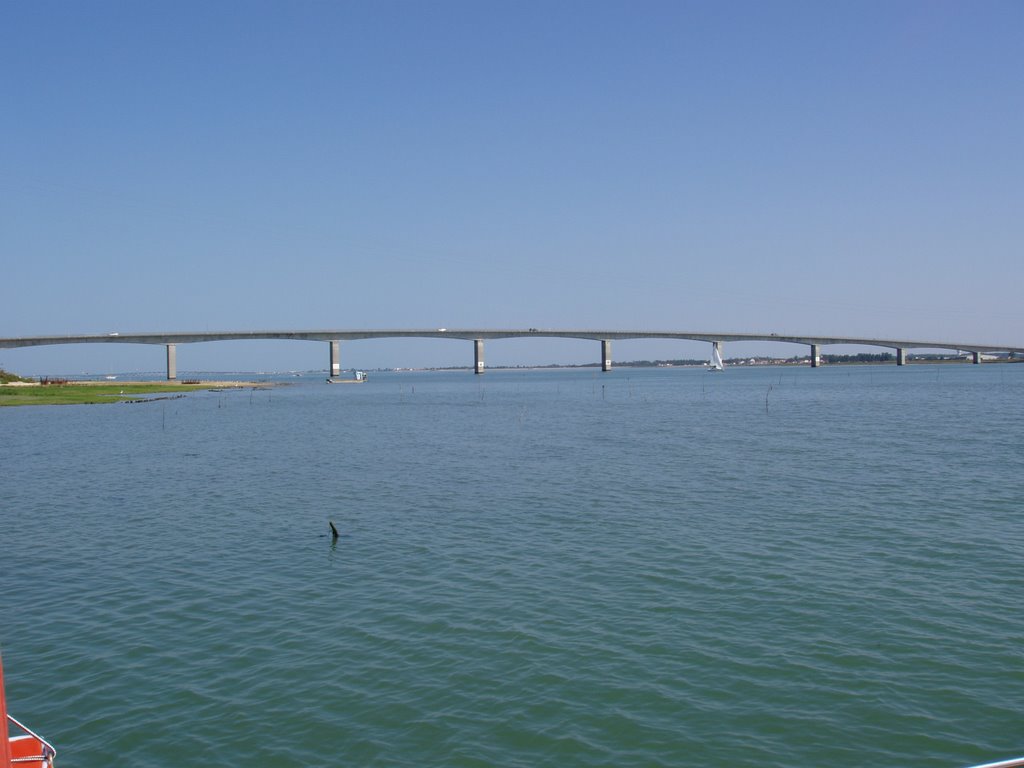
(358, 377)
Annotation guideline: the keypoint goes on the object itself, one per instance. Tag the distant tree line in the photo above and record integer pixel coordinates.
(7, 378)
(863, 357)
(655, 363)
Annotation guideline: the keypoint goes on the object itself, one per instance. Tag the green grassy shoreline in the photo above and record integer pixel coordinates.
(88, 393)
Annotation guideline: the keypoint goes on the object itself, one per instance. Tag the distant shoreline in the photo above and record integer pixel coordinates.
(734, 363)
(745, 362)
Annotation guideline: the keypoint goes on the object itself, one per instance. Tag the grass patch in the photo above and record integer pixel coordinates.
(87, 393)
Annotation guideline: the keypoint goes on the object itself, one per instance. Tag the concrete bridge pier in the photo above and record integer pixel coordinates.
(976, 358)
(606, 355)
(901, 356)
(815, 355)
(335, 368)
(172, 362)
(478, 356)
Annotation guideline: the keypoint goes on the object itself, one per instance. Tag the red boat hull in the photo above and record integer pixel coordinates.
(24, 745)
(28, 746)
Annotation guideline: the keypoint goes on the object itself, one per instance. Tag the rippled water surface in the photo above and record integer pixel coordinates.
(771, 567)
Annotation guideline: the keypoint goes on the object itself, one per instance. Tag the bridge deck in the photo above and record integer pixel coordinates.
(470, 334)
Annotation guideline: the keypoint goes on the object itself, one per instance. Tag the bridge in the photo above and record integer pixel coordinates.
(477, 336)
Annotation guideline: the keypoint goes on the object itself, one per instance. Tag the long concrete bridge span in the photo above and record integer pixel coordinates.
(477, 336)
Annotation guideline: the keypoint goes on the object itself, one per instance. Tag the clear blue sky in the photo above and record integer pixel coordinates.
(849, 168)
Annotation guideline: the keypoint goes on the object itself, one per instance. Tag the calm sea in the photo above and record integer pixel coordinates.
(762, 567)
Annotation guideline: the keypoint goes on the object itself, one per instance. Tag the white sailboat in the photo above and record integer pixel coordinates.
(716, 358)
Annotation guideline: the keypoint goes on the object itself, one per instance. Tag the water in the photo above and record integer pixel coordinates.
(764, 567)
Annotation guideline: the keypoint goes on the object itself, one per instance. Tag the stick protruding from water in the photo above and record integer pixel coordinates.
(334, 531)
